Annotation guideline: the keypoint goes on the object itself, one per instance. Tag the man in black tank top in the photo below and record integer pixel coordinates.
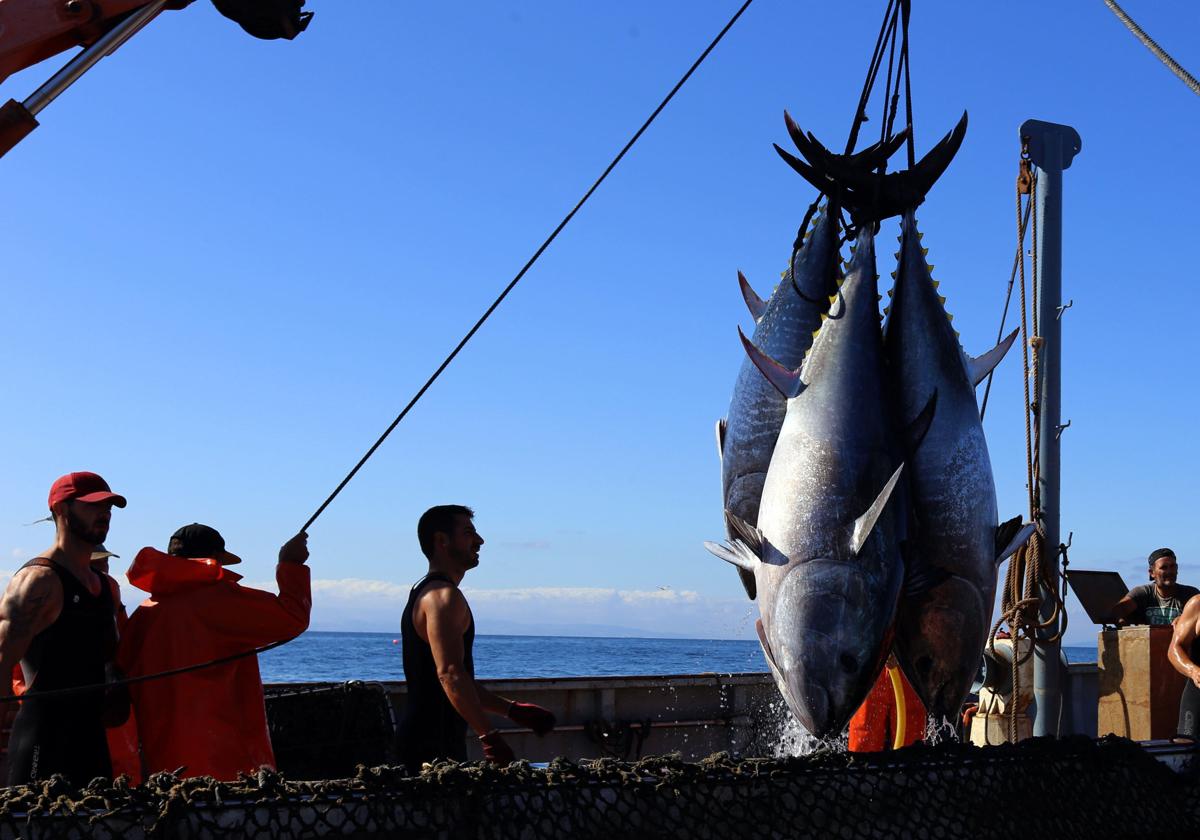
(438, 633)
(57, 618)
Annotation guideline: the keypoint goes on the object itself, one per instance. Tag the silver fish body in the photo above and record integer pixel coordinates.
(946, 610)
(784, 331)
(828, 564)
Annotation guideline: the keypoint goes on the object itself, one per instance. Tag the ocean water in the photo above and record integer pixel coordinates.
(336, 657)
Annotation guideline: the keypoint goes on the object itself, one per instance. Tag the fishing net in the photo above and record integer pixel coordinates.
(1074, 788)
(325, 731)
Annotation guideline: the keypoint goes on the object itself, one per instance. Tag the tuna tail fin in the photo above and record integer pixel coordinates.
(722, 425)
(865, 523)
(1010, 536)
(754, 303)
(978, 367)
(787, 382)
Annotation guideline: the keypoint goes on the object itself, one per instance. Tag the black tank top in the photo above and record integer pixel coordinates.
(430, 728)
(74, 649)
(66, 734)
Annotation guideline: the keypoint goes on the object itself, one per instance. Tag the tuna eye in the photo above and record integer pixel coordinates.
(849, 663)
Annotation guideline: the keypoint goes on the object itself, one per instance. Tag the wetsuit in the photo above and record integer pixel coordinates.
(430, 728)
(66, 734)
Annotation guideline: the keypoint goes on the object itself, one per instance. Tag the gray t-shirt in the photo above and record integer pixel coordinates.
(1152, 608)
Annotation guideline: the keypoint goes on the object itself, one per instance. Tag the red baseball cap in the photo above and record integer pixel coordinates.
(85, 487)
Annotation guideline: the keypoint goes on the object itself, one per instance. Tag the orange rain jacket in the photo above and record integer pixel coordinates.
(211, 722)
(873, 727)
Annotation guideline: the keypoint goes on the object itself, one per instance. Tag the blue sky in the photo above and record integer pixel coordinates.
(229, 263)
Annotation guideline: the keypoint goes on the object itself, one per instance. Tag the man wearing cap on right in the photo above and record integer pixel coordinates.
(212, 721)
(1158, 602)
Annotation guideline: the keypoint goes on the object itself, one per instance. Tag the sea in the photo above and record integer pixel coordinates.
(336, 657)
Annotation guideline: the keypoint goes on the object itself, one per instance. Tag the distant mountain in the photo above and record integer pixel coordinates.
(501, 627)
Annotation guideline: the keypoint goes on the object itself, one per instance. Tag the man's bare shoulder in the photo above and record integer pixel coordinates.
(440, 594)
(34, 581)
(32, 600)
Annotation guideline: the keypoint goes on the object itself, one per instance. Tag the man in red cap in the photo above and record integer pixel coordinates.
(57, 619)
(212, 721)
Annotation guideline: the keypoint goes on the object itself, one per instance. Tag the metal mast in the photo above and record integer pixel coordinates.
(1052, 147)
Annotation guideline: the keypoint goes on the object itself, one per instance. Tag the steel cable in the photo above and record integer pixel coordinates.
(1152, 45)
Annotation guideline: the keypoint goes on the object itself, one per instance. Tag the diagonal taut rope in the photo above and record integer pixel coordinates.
(528, 265)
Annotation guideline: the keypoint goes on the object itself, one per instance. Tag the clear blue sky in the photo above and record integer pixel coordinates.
(229, 263)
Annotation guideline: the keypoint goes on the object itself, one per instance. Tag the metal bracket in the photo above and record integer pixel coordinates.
(1052, 147)
(1064, 308)
(1060, 428)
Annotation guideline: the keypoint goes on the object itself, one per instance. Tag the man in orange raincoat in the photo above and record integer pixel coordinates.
(212, 721)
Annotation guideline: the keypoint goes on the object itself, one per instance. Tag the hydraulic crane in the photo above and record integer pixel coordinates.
(34, 30)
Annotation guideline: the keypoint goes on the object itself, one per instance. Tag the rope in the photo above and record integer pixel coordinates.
(1020, 605)
(95, 687)
(1150, 44)
(528, 265)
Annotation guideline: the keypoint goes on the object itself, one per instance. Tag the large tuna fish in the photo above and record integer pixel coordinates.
(952, 558)
(784, 327)
(826, 553)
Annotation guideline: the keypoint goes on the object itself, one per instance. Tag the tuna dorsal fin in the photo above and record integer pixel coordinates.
(722, 425)
(980, 366)
(919, 427)
(754, 303)
(865, 523)
(787, 382)
(1010, 536)
(735, 552)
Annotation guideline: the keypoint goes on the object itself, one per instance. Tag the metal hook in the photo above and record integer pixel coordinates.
(1060, 428)
(1064, 308)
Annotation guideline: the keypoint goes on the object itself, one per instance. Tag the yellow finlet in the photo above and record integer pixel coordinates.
(925, 252)
(936, 283)
(942, 300)
(890, 291)
(949, 317)
(832, 298)
(893, 275)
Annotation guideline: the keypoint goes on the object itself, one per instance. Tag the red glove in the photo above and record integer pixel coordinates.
(533, 716)
(496, 749)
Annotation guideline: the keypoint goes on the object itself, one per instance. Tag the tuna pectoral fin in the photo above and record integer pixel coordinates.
(754, 303)
(865, 523)
(745, 532)
(766, 647)
(1011, 535)
(722, 425)
(787, 382)
(919, 427)
(735, 552)
(980, 366)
